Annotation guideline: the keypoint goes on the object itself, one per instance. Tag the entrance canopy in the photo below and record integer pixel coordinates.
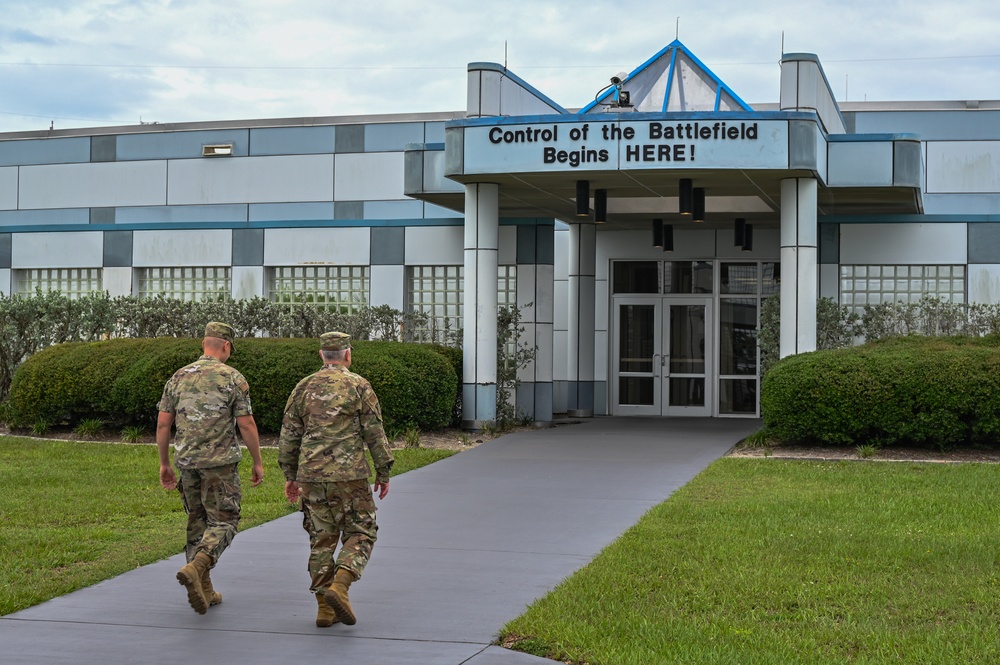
(702, 131)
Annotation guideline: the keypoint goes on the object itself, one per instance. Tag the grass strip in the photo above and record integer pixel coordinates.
(767, 561)
(76, 513)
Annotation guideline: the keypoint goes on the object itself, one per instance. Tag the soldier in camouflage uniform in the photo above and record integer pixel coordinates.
(331, 417)
(208, 401)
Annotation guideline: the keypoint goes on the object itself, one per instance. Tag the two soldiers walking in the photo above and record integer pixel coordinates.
(330, 419)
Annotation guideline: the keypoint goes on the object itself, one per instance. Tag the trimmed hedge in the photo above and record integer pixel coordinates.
(938, 391)
(120, 381)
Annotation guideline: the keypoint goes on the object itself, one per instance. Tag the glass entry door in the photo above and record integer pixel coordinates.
(662, 356)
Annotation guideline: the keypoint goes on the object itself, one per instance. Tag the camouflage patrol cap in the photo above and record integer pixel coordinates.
(334, 341)
(222, 331)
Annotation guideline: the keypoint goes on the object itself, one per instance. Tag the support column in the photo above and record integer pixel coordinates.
(799, 286)
(535, 283)
(479, 342)
(582, 263)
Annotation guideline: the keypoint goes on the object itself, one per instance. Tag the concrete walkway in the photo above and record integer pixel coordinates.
(464, 546)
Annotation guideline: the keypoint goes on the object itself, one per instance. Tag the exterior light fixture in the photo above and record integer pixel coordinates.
(600, 206)
(698, 211)
(685, 196)
(657, 233)
(738, 231)
(217, 150)
(582, 198)
(748, 238)
(668, 237)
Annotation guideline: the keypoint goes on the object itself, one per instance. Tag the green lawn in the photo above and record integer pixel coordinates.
(73, 513)
(778, 562)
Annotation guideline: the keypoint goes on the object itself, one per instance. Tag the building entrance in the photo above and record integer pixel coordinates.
(663, 357)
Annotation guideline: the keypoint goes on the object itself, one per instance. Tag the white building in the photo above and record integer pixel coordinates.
(517, 200)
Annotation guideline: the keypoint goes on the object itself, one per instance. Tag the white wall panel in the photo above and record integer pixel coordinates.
(955, 167)
(181, 248)
(544, 302)
(117, 281)
(57, 250)
(890, 244)
(435, 245)
(560, 242)
(984, 283)
(560, 359)
(248, 282)
(284, 179)
(766, 245)
(8, 188)
(387, 286)
(369, 176)
(100, 185)
(5, 281)
(350, 246)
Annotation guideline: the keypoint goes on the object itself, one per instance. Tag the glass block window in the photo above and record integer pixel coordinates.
(506, 285)
(873, 285)
(437, 292)
(195, 284)
(342, 287)
(71, 282)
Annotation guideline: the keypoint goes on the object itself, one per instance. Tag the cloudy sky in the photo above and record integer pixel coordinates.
(91, 63)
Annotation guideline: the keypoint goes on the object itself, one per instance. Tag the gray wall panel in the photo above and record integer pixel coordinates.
(349, 210)
(350, 138)
(5, 243)
(292, 140)
(102, 215)
(984, 243)
(180, 145)
(829, 243)
(392, 137)
(8, 188)
(173, 214)
(525, 244)
(103, 148)
(45, 151)
(248, 247)
(369, 177)
(388, 245)
(117, 249)
(83, 249)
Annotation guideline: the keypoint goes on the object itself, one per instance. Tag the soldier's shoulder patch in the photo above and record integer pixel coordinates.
(244, 387)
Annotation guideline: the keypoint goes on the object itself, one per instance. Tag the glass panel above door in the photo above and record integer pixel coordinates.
(636, 277)
(687, 277)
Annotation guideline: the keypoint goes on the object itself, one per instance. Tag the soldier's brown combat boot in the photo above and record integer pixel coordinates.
(211, 595)
(325, 616)
(337, 598)
(191, 577)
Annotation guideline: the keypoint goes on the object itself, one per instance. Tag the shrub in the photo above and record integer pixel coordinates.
(121, 381)
(914, 390)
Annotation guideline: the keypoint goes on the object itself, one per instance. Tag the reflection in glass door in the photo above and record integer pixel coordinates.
(663, 356)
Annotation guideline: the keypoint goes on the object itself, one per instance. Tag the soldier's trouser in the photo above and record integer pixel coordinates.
(338, 511)
(212, 502)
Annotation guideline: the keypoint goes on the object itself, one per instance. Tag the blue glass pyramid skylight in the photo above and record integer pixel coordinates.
(672, 80)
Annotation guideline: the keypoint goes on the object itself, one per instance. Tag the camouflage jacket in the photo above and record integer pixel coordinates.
(206, 397)
(330, 418)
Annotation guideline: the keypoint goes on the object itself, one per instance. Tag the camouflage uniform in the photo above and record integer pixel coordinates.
(331, 417)
(206, 397)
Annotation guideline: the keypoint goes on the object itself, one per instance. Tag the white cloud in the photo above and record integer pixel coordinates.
(102, 62)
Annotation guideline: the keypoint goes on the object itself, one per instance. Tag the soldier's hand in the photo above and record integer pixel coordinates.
(292, 491)
(381, 488)
(257, 475)
(167, 477)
